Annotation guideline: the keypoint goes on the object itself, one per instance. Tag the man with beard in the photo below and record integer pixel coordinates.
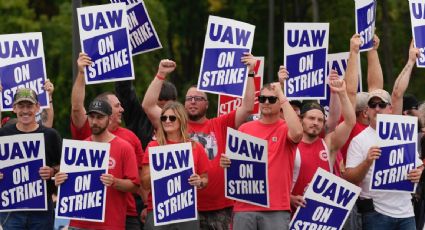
(122, 177)
(80, 128)
(379, 209)
(214, 209)
(313, 151)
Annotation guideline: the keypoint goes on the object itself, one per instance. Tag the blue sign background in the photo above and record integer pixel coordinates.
(420, 41)
(212, 56)
(142, 17)
(259, 174)
(305, 214)
(319, 62)
(67, 189)
(7, 183)
(362, 24)
(161, 196)
(120, 38)
(383, 163)
(36, 68)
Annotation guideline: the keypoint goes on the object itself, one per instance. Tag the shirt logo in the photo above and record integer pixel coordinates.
(323, 155)
(274, 139)
(112, 163)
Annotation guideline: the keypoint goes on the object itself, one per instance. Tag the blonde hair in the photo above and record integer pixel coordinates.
(181, 115)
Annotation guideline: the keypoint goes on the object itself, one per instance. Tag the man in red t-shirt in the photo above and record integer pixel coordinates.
(313, 151)
(122, 176)
(214, 209)
(80, 130)
(282, 136)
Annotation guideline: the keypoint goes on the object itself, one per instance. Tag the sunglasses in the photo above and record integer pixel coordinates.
(381, 105)
(271, 99)
(196, 98)
(171, 118)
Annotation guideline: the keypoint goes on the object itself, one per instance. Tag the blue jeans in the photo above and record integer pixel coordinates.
(377, 221)
(31, 220)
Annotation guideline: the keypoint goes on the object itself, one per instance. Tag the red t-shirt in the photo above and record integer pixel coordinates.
(281, 154)
(309, 157)
(212, 135)
(122, 164)
(200, 162)
(85, 132)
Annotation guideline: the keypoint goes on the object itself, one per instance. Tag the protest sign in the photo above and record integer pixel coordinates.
(82, 196)
(329, 200)
(227, 104)
(222, 71)
(417, 17)
(173, 198)
(246, 179)
(365, 22)
(338, 62)
(22, 66)
(305, 57)
(397, 138)
(143, 36)
(104, 38)
(21, 157)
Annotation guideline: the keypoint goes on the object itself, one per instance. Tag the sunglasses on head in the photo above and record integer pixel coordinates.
(196, 98)
(271, 99)
(171, 118)
(381, 105)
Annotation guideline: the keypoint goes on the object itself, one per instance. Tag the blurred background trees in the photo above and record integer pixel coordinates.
(181, 26)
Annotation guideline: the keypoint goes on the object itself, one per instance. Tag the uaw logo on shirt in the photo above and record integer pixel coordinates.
(208, 141)
(112, 163)
(323, 155)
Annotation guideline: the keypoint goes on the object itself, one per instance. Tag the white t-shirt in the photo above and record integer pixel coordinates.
(393, 204)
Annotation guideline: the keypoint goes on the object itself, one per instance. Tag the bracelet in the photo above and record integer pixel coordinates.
(51, 101)
(160, 77)
(251, 74)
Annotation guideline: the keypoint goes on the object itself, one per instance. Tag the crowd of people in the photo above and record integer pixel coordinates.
(300, 138)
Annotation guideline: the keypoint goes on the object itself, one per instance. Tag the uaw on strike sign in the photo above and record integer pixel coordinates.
(22, 188)
(82, 196)
(329, 200)
(222, 71)
(104, 38)
(22, 65)
(397, 137)
(417, 16)
(173, 198)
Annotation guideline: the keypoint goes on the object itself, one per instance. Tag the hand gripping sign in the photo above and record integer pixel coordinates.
(222, 71)
(104, 37)
(246, 179)
(22, 65)
(143, 36)
(329, 200)
(338, 62)
(227, 104)
(417, 16)
(397, 138)
(365, 22)
(82, 196)
(173, 198)
(305, 57)
(22, 188)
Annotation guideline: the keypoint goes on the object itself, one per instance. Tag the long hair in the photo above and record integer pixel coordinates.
(181, 115)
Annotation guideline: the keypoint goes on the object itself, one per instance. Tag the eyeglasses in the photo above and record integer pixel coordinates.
(196, 98)
(171, 118)
(271, 99)
(381, 105)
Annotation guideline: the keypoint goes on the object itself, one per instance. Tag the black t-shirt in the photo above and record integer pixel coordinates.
(52, 142)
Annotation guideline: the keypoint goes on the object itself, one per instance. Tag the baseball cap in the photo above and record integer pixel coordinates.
(101, 107)
(310, 106)
(296, 103)
(410, 102)
(25, 94)
(361, 101)
(380, 93)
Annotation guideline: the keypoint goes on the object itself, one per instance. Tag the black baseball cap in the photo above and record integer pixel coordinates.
(100, 106)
